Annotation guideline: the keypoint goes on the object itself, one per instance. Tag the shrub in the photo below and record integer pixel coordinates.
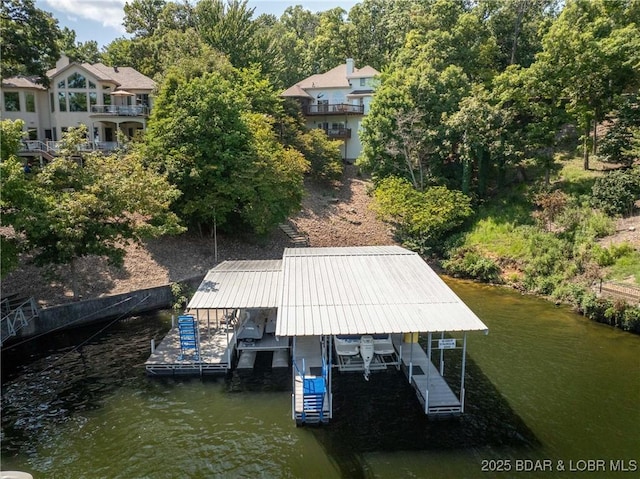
(322, 153)
(472, 264)
(616, 192)
(570, 293)
(631, 320)
(421, 218)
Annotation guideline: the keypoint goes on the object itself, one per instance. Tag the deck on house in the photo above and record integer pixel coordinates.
(214, 354)
(425, 377)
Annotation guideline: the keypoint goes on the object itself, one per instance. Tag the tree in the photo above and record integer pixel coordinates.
(204, 135)
(404, 133)
(331, 44)
(616, 145)
(10, 138)
(68, 211)
(585, 59)
(518, 27)
(81, 52)
(28, 40)
(141, 17)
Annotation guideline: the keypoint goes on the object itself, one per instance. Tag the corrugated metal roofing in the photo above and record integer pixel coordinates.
(239, 284)
(366, 290)
(353, 290)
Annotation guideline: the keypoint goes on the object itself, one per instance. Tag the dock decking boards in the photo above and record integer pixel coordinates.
(213, 355)
(425, 376)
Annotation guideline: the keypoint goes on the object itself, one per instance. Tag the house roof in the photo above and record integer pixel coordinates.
(127, 78)
(335, 78)
(352, 290)
(295, 92)
(22, 82)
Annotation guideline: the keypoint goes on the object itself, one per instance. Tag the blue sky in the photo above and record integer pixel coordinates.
(101, 20)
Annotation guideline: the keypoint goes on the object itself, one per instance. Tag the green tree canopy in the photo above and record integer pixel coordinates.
(203, 133)
(68, 210)
(28, 39)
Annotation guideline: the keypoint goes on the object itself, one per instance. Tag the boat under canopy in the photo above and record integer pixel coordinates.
(353, 308)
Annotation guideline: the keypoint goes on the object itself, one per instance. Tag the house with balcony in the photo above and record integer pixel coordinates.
(112, 102)
(337, 101)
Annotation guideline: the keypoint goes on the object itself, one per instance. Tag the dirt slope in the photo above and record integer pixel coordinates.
(330, 216)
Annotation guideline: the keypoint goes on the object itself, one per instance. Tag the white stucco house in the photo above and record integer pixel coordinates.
(337, 101)
(106, 99)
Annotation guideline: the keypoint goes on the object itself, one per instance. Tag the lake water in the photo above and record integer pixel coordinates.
(546, 390)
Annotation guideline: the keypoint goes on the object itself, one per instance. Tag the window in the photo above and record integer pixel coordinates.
(30, 102)
(363, 82)
(75, 80)
(32, 133)
(93, 99)
(61, 85)
(92, 85)
(11, 101)
(62, 101)
(52, 102)
(106, 99)
(142, 99)
(77, 101)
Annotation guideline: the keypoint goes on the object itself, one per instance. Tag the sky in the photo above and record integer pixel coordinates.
(101, 20)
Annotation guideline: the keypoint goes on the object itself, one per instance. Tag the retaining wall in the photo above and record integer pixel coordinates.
(106, 308)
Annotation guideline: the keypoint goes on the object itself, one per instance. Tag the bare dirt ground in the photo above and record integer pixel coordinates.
(330, 216)
(336, 215)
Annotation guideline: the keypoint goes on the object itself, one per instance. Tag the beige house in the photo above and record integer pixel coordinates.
(337, 101)
(108, 100)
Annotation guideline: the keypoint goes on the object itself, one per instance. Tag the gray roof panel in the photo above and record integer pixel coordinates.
(239, 284)
(360, 290)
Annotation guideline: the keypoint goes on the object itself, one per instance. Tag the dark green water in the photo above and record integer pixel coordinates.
(545, 385)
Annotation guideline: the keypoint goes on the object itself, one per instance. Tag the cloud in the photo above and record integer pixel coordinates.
(109, 13)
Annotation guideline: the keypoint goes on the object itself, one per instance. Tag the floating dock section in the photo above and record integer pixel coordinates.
(355, 309)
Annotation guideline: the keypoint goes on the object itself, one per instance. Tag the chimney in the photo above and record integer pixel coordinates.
(349, 66)
(62, 62)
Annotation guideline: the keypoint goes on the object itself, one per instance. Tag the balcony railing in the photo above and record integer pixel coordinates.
(38, 147)
(338, 133)
(334, 109)
(120, 110)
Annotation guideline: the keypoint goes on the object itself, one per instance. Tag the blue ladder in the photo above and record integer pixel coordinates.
(313, 392)
(188, 329)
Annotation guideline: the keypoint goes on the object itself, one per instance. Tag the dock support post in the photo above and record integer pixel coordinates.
(173, 321)
(426, 394)
(462, 372)
(153, 346)
(442, 357)
(426, 400)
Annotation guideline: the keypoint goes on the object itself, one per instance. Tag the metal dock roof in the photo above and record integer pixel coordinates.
(239, 284)
(352, 290)
(366, 290)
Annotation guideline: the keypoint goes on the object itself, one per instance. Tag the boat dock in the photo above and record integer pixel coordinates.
(215, 355)
(355, 309)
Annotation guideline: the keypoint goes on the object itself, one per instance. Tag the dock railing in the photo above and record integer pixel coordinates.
(16, 316)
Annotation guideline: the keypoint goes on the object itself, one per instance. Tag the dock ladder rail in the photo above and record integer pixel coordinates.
(189, 341)
(313, 390)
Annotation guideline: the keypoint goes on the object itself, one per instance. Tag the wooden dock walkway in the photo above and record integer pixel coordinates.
(432, 390)
(214, 356)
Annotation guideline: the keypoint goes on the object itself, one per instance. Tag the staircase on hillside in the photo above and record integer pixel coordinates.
(300, 240)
